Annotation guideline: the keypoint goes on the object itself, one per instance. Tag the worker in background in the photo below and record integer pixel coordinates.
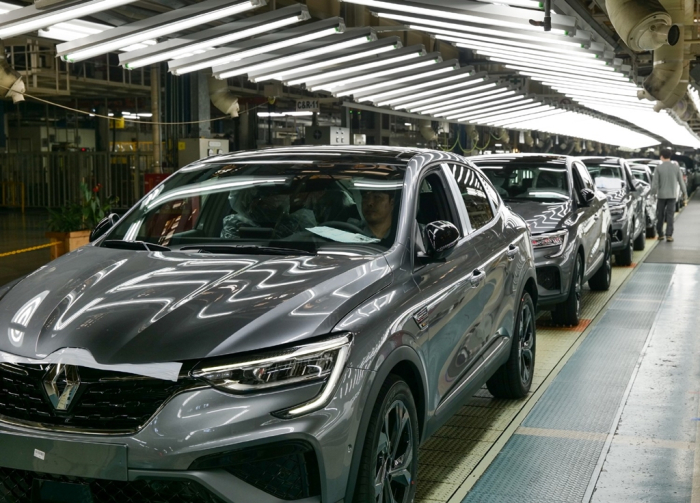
(667, 178)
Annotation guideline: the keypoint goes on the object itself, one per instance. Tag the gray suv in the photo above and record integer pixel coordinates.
(614, 178)
(280, 325)
(569, 220)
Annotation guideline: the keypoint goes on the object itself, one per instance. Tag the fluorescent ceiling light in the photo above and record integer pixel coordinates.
(551, 65)
(363, 91)
(391, 58)
(497, 100)
(436, 89)
(215, 37)
(295, 74)
(507, 103)
(247, 49)
(512, 122)
(518, 46)
(624, 88)
(530, 111)
(529, 4)
(413, 106)
(285, 114)
(538, 56)
(400, 67)
(444, 105)
(614, 77)
(152, 28)
(507, 33)
(222, 72)
(28, 19)
(485, 14)
(461, 74)
(502, 93)
(542, 75)
(493, 114)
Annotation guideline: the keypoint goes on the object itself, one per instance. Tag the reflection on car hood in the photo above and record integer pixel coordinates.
(614, 196)
(542, 217)
(140, 307)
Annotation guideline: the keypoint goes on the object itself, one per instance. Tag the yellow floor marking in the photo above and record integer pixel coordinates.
(601, 437)
(458, 454)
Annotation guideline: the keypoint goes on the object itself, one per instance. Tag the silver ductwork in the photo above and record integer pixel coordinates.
(222, 97)
(427, 131)
(644, 25)
(667, 73)
(675, 96)
(10, 79)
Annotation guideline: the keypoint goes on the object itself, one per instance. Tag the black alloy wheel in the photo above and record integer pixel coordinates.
(601, 280)
(569, 311)
(514, 378)
(389, 462)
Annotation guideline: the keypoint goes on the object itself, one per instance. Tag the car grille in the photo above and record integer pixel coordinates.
(20, 486)
(105, 401)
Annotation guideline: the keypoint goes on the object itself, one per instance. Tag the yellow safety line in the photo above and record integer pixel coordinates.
(40, 247)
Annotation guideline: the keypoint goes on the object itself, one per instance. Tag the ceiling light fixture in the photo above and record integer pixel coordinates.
(413, 105)
(215, 37)
(253, 47)
(502, 93)
(461, 101)
(152, 28)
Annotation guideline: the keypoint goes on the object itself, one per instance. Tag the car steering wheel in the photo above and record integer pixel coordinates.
(345, 226)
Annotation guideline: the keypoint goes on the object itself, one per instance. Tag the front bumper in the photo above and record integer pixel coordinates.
(620, 235)
(203, 442)
(553, 275)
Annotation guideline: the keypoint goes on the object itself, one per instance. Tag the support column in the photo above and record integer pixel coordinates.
(200, 104)
(155, 110)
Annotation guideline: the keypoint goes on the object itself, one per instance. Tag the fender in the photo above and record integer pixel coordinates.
(400, 354)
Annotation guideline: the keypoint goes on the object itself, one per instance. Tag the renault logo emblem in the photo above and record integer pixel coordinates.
(61, 384)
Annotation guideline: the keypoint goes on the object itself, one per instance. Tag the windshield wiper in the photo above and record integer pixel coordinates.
(133, 245)
(250, 249)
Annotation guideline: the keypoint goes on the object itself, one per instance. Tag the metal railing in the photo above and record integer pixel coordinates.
(52, 179)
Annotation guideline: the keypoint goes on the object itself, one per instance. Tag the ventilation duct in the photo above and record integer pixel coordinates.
(10, 79)
(222, 97)
(644, 25)
(675, 97)
(666, 75)
(427, 131)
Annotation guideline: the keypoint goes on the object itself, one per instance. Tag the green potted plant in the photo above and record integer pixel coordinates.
(70, 226)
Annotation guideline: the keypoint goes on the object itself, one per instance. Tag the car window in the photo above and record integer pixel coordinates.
(476, 201)
(584, 176)
(607, 175)
(542, 182)
(284, 203)
(433, 202)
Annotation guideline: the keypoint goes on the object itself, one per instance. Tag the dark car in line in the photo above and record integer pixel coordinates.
(614, 178)
(569, 221)
(644, 176)
(279, 325)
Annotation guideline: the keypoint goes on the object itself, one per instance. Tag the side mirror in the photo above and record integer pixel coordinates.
(587, 196)
(441, 238)
(105, 224)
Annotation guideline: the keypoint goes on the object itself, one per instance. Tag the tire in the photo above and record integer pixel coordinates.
(624, 258)
(394, 411)
(651, 232)
(513, 379)
(600, 281)
(569, 311)
(640, 242)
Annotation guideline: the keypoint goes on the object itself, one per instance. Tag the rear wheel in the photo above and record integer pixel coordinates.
(624, 258)
(651, 232)
(640, 242)
(568, 312)
(514, 378)
(389, 462)
(600, 281)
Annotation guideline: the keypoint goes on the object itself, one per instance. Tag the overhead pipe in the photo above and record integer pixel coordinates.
(644, 25)
(10, 79)
(675, 100)
(222, 97)
(666, 75)
(427, 131)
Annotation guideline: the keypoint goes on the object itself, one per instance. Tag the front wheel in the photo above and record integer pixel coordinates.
(640, 242)
(389, 461)
(569, 311)
(600, 281)
(651, 232)
(514, 378)
(624, 258)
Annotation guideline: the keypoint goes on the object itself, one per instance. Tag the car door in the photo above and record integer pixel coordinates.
(590, 218)
(498, 246)
(638, 201)
(450, 312)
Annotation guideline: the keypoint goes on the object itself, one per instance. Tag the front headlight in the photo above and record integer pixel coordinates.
(618, 212)
(549, 239)
(315, 362)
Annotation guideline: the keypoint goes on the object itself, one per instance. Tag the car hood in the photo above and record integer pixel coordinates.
(127, 307)
(614, 196)
(542, 217)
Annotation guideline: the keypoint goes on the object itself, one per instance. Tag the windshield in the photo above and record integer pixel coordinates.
(310, 206)
(606, 175)
(536, 182)
(640, 175)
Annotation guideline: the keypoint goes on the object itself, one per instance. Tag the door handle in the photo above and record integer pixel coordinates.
(512, 252)
(477, 277)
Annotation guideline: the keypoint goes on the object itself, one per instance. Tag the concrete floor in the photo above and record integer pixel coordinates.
(19, 231)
